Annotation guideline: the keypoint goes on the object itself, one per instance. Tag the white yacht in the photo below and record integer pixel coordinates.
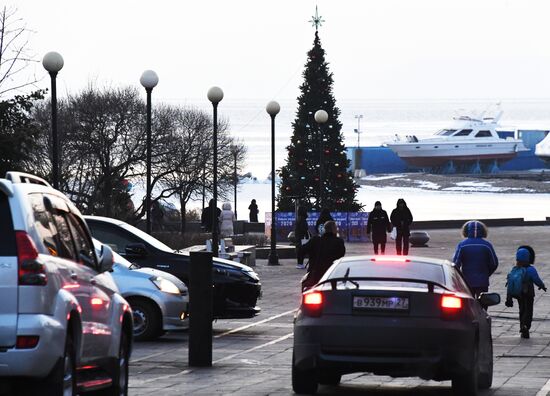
(466, 140)
(542, 150)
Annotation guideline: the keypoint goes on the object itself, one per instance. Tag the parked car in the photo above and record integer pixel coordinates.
(65, 329)
(158, 299)
(397, 316)
(236, 286)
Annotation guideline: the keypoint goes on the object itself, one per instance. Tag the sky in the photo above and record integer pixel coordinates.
(254, 49)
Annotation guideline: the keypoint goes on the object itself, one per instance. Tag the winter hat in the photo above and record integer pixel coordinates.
(523, 255)
(378, 203)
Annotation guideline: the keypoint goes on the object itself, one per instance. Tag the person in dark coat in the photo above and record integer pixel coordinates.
(379, 225)
(324, 216)
(401, 218)
(253, 211)
(476, 257)
(323, 250)
(206, 217)
(301, 231)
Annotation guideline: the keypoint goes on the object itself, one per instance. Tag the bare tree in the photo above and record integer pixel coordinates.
(184, 166)
(15, 56)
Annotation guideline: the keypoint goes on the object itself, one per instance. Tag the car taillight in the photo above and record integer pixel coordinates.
(451, 303)
(312, 303)
(451, 307)
(26, 342)
(31, 271)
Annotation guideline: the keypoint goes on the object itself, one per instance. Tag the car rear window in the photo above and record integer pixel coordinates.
(7, 235)
(373, 269)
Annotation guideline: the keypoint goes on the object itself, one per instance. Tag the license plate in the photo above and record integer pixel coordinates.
(372, 302)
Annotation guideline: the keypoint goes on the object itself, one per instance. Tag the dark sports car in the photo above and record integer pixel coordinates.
(397, 316)
(236, 286)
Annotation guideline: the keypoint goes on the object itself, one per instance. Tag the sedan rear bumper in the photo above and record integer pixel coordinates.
(425, 347)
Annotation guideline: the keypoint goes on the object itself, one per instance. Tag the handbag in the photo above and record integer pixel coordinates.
(306, 238)
(291, 237)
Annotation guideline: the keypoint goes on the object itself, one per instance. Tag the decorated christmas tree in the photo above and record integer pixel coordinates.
(316, 172)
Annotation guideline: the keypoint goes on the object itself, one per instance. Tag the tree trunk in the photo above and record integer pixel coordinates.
(182, 212)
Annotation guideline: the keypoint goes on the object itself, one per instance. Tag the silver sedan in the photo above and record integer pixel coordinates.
(158, 299)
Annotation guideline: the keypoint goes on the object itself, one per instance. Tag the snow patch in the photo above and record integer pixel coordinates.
(384, 177)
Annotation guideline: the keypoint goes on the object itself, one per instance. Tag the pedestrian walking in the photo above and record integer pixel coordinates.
(476, 257)
(520, 285)
(401, 218)
(157, 215)
(323, 250)
(206, 216)
(324, 216)
(378, 225)
(253, 208)
(227, 217)
(301, 232)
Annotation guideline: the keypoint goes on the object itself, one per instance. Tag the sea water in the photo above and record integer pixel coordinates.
(382, 120)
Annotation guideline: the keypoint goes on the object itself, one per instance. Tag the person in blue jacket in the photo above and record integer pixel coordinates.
(476, 257)
(525, 256)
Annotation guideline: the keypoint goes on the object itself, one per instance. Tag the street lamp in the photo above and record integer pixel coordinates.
(273, 109)
(149, 80)
(321, 116)
(235, 153)
(215, 95)
(358, 130)
(53, 63)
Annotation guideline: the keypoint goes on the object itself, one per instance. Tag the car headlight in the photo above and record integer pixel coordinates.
(164, 285)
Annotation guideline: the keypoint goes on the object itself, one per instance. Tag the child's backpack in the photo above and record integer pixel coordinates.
(515, 281)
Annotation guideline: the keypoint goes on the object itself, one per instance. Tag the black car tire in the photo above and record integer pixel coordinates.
(485, 380)
(330, 378)
(147, 320)
(63, 378)
(304, 382)
(120, 374)
(466, 384)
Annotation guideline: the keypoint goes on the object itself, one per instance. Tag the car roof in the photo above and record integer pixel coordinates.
(396, 259)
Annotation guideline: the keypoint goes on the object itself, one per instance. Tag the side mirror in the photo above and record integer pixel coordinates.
(136, 250)
(489, 299)
(106, 259)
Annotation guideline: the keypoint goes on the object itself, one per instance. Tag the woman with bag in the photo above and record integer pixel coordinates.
(323, 250)
(301, 234)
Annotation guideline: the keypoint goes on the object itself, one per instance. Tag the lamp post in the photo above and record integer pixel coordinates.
(273, 109)
(358, 130)
(235, 153)
(321, 116)
(215, 95)
(149, 80)
(53, 63)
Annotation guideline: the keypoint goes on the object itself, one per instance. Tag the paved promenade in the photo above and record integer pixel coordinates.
(253, 357)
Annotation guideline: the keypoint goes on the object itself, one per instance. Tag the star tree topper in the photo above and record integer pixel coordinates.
(316, 20)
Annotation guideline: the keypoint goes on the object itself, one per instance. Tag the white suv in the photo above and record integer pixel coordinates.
(64, 328)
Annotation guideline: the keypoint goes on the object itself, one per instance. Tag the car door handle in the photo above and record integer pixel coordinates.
(74, 276)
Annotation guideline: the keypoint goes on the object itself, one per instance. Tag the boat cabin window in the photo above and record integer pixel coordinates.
(464, 132)
(484, 134)
(446, 132)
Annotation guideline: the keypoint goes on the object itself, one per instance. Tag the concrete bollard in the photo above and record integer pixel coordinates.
(200, 309)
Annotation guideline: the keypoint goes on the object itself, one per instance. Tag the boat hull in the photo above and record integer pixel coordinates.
(439, 153)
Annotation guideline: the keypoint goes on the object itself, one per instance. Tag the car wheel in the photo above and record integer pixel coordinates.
(120, 375)
(329, 378)
(486, 378)
(147, 320)
(303, 381)
(63, 379)
(466, 384)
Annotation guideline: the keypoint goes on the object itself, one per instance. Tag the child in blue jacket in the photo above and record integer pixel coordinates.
(524, 259)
